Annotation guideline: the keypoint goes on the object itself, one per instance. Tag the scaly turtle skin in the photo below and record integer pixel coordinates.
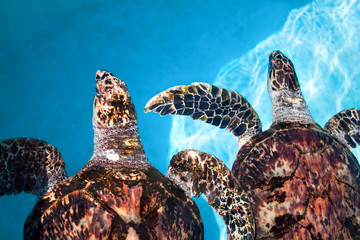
(198, 172)
(117, 195)
(302, 180)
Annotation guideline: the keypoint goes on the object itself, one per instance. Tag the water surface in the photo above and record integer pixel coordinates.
(51, 53)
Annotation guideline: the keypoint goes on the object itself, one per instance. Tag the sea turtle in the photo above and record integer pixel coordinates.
(117, 195)
(301, 180)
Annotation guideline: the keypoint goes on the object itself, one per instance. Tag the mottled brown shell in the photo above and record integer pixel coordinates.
(103, 203)
(303, 184)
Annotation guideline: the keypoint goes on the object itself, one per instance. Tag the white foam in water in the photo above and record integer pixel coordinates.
(322, 40)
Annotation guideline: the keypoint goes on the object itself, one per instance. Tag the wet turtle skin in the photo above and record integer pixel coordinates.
(303, 183)
(117, 195)
(116, 204)
(302, 180)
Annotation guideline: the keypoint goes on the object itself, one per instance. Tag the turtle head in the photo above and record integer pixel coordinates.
(288, 103)
(116, 137)
(282, 74)
(113, 107)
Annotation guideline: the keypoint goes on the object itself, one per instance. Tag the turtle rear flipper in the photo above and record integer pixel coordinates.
(345, 126)
(214, 105)
(29, 165)
(198, 172)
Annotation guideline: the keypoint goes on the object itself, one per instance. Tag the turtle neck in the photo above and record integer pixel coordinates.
(288, 106)
(119, 146)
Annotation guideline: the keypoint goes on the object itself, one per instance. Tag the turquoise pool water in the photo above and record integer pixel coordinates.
(50, 54)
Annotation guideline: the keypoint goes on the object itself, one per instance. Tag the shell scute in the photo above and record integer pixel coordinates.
(346, 166)
(314, 172)
(302, 182)
(321, 217)
(270, 160)
(125, 202)
(287, 204)
(67, 219)
(344, 198)
(307, 138)
(94, 173)
(299, 230)
(151, 202)
(140, 206)
(69, 185)
(172, 222)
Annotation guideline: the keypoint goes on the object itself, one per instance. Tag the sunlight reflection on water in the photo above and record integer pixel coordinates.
(322, 40)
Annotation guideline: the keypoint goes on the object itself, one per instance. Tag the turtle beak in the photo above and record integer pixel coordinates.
(272, 67)
(271, 59)
(102, 74)
(113, 106)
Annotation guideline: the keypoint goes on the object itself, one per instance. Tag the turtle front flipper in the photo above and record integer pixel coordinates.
(198, 172)
(29, 165)
(209, 103)
(345, 127)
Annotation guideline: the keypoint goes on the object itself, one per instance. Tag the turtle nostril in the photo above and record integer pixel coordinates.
(105, 75)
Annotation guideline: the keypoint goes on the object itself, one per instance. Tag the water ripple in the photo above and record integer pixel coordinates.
(323, 42)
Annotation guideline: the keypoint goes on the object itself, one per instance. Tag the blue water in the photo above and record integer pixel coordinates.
(323, 42)
(49, 55)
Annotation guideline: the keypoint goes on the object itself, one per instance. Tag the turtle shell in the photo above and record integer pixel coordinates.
(303, 183)
(103, 203)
